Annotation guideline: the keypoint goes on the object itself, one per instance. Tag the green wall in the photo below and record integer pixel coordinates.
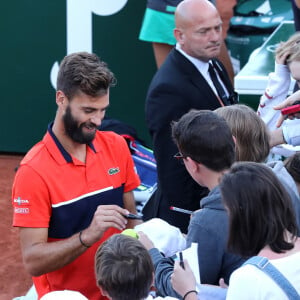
(34, 37)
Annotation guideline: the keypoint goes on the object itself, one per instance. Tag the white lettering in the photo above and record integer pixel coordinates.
(107, 8)
(21, 210)
(21, 201)
(79, 25)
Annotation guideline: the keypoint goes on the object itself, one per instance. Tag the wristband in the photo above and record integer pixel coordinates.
(189, 292)
(81, 242)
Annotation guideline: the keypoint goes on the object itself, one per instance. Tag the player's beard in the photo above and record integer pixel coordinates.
(76, 131)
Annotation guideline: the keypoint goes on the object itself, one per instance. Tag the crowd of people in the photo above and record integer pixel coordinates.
(73, 191)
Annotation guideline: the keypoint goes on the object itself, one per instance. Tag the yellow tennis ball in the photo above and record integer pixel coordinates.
(130, 232)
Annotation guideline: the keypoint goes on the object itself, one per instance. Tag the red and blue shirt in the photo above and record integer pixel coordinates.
(54, 190)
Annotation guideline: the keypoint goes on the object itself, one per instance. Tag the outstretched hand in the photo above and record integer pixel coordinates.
(144, 239)
(222, 283)
(183, 280)
(287, 102)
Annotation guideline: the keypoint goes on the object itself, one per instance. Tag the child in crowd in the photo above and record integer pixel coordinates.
(261, 222)
(124, 270)
(252, 144)
(287, 62)
(207, 150)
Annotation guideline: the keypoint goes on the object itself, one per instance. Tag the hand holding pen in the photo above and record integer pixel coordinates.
(133, 216)
(183, 280)
(181, 263)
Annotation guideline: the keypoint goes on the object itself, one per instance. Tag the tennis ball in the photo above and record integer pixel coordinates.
(130, 232)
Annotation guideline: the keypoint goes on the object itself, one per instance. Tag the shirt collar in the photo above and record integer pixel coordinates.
(201, 66)
(60, 147)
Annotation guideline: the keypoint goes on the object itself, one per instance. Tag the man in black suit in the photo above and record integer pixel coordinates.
(183, 83)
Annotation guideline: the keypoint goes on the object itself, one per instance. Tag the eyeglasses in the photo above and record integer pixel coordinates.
(179, 156)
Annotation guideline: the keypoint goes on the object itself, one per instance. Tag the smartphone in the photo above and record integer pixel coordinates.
(133, 216)
(291, 109)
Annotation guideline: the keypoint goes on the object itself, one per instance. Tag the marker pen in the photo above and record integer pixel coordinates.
(181, 263)
(185, 211)
(133, 216)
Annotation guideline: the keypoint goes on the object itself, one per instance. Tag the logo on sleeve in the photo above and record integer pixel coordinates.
(22, 210)
(21, 201)
(113, 171)
(19, 206)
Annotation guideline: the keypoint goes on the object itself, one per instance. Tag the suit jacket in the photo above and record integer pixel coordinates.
(176, 88)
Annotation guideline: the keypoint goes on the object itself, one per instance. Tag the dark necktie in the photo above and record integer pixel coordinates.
(220, 90)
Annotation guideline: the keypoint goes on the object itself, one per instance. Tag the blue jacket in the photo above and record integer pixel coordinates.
(209, 228)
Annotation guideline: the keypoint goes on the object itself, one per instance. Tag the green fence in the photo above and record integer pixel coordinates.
(36, 35)
(251, 26)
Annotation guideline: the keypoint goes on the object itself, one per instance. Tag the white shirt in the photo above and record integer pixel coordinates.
(250, 283)
(160, 298)
(202, 67)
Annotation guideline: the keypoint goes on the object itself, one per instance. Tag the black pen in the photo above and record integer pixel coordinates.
(181, 263)
(133, 216)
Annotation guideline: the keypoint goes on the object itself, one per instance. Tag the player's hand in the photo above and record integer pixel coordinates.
(106, 216)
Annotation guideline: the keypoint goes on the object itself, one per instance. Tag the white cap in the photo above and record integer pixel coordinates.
(64, 295)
